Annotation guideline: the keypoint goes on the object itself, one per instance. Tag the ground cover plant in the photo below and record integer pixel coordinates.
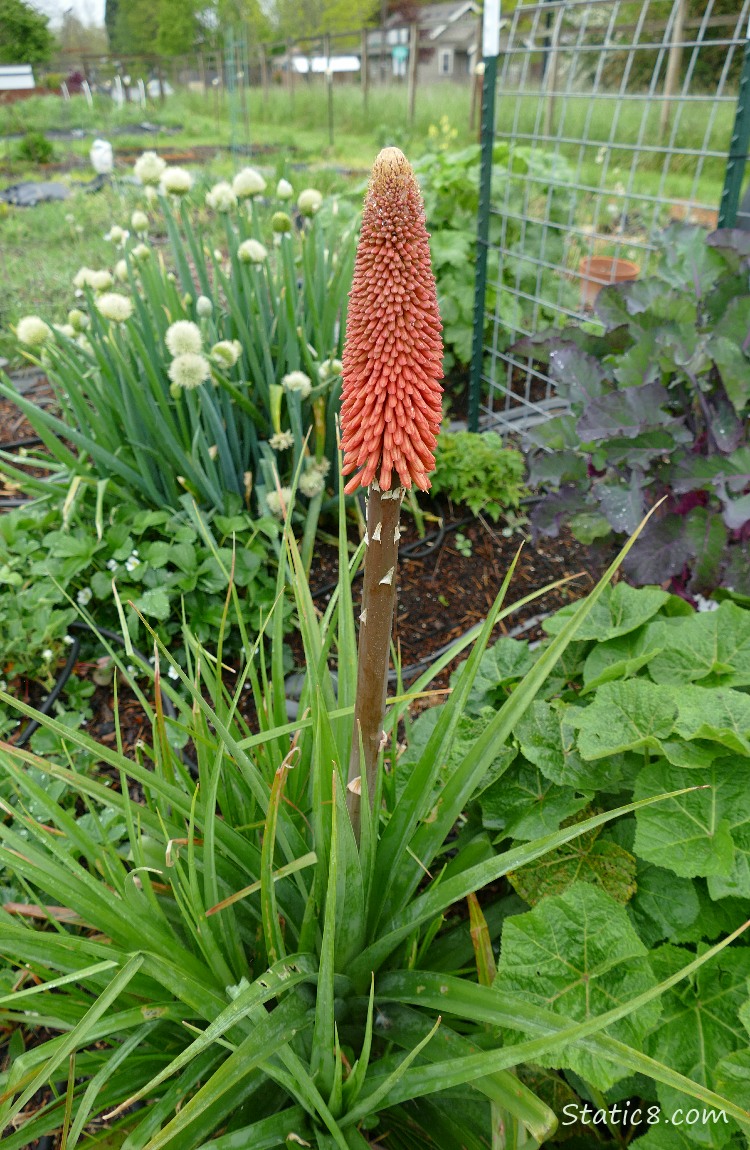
(250, 938)
(659, 394)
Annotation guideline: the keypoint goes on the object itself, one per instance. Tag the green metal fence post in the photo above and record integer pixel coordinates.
(738, 149)
(490, 49)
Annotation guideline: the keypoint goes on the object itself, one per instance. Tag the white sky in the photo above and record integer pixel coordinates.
(90, 11)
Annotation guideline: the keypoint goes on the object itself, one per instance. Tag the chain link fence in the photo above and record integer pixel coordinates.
(612, 119)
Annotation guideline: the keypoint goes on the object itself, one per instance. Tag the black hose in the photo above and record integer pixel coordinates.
(419, 549)
(29, 441)
(48, 703)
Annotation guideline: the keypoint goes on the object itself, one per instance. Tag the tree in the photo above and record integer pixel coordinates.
(24, 35)
(178, 27)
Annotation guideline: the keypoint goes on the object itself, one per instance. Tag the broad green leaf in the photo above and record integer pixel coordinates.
(694, 834)
(579, 955)
(590, 859)
(664, 905)
(732, 1076)
(630, 715)
(712, 648)
(547, 737)
(718, 715)
(622, 657)
(523, 804)
(699, 1025)
(618, 612)
(503, 664)
(468, 730)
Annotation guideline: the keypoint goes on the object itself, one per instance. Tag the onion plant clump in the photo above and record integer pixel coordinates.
(203, 367)
(225, 957)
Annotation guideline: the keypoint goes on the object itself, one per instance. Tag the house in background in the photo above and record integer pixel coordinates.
(16, 78)
(449, 42)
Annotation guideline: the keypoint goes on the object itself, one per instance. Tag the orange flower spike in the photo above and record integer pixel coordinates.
(392, 362)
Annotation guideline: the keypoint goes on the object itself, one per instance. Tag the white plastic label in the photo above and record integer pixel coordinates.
(491, 28)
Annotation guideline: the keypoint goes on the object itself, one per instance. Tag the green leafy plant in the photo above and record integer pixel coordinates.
(450, 185)
(35, 148)
(659, 402)
(478, 470)
(52, 564)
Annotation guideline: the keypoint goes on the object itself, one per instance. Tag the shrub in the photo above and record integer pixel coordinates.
(659, 396)
(479, 471)
(35, 148)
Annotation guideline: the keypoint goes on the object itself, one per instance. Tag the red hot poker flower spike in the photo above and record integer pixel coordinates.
(392, 362)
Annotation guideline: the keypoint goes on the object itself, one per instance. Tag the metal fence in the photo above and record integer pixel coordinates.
(611, 119)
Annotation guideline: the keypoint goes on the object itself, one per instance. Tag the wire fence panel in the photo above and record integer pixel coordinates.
(613, 119)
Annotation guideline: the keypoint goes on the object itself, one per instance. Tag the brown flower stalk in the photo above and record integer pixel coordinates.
(390, 418)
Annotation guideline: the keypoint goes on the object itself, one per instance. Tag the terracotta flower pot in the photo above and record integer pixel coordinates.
(598, 271)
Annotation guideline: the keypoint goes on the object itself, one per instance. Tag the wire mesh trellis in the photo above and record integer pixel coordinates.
(613, 118)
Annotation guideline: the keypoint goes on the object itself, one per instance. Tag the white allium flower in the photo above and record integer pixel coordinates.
(311, 483)
(322, 465)
(226, 352)
(222, 197)
(248, 182)
(284, 190)
(117, 235)
(203, 306)
(83, 278)
(281, 441)
(299, 382)
(176, 181)
(280, 223)
(139, 222)
(149, 168)
(84, 596)
(184, 338)
(251, 252)
(65, 329)
(33, 331)
(140, 253)
(330, 368)
(309, 201)
(78, 319)
(152, 196)
(114, 306)
(121, 271)
(278, 501)
(189, 370)
(213, 451)
(84, 344)
(101, 281)
(112, 564)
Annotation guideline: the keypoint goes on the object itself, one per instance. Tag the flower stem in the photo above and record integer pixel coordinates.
(376, 622)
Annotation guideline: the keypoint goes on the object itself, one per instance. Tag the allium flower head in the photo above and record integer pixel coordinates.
(101, 281)
(203, 306)
(311, 483)
(176, 181)
(309, 201)
(184, 338)
(78, 319)
(222, 197)
(139, 222)
(391, 410)
(149, 168)
(141, 253)
(281, 441)
(189, 370)
(33, 331)
(117, 235)
(121, 271)
(248, 182)
(114, 306)
(251, 252)
(284, 190)
(299, 382)
(278, 501)
(281, 223)
(226, 352)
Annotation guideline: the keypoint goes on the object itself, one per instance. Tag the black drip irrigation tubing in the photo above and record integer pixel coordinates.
(48, 703)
